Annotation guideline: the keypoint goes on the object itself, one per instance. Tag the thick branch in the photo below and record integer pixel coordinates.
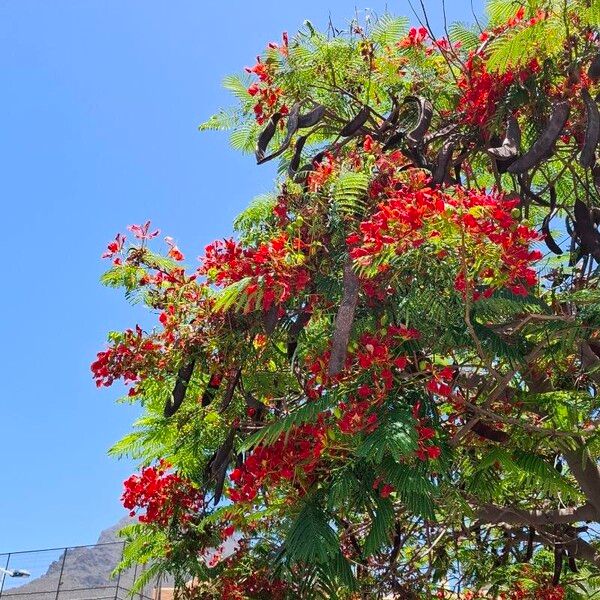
(494, 515)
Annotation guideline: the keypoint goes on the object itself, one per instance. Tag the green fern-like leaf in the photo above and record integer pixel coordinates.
(350, 193)
(311, 539)
(388, 30)
(381, 527)
(307, 413)
(232, 296)
(467, 36)
(238, 85)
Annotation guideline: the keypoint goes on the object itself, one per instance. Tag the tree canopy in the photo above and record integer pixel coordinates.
(385, 385)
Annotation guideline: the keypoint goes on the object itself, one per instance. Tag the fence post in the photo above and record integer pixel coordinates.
(62, 567)
(4, 574)
(142, 589)
(119, 575)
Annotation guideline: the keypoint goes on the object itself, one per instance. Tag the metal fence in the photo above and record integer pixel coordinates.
(74, 573)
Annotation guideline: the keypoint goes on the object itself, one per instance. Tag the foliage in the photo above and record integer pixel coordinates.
(387, 384)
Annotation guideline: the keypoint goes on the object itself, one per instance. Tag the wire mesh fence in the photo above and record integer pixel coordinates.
(74, 573)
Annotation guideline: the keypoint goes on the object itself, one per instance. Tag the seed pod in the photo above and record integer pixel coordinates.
(211, 389)
(548, 239)
(544, 146)
(270, 318)
(416, 135)
(178, 396)
(391, 120)
(356, 123)
(219, 463)
(443, 161)
(585, 230)
(295, 162)
(488, 432)
(234, 378)
(552, 198)
(592, 131)
(594, 69)
(558, 563)
(292, 127)
(434, 135)
(344, 319)
(572, 563)
(312, 117)
(569, 226)
(294, 333)
(596, 176)
(265, 137)
(530, 540)
(511, 144)
(394, 140)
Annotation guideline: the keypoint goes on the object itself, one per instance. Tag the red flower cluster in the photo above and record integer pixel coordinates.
(126, 358)
(301, 448)
(115, 247)
(481, 91)
(255, 585)
(545, 592)
(416, 37)
(162, 496)
(321, 173)
(272, 266)
(267, 95)
(356, 417)
(454, 222)
(439, 384)
(427, 449)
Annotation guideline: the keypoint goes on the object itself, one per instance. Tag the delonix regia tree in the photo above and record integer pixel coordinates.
(386, 384)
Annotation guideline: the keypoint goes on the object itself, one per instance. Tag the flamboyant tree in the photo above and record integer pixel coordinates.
(386, 384)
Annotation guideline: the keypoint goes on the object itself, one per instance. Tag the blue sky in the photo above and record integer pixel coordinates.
(99, 110)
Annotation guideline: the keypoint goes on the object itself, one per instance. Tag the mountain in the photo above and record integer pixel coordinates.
(80, 573)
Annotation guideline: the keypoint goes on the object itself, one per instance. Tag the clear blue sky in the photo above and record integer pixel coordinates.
(99, 107)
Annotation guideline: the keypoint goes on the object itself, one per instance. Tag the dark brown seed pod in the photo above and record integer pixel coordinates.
(585, 230)
(434, 135)
(548, 239)
(178, 396)
(569, 226)
(530, 540)
(344, 319)
(596, 176)
(211, 389)
(511, 144)
(544, 146)
(266, 135)
(294, 333)
(356, 123)
(312, 117)
(232, 382)
(270, 318)
(295, 162)
(488, 432)
(592, 131)
(219, 463)
(552, 197)
(292, 127)
(394, 140)
(443, 161)
(558, 563)
(572, 562)
(594, 69)
(392, 119)
(416, 135)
